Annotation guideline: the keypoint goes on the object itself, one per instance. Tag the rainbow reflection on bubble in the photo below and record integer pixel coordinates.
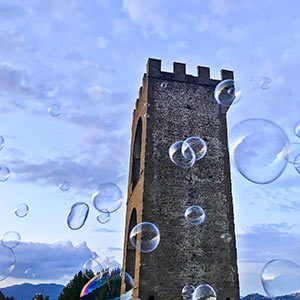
(111, 284)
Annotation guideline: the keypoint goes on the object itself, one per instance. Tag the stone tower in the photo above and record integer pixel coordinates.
(173, 107)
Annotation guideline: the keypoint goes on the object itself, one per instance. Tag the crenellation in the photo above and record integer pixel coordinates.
(226, 74)
(203, 72)
(179, 71)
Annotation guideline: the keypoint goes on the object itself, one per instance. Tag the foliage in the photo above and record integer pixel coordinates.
(40, 297)
(2, 297)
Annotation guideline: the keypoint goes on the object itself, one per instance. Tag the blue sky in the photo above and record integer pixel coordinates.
(89, 57)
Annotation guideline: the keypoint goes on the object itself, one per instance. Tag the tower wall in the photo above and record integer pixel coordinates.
(175, 106)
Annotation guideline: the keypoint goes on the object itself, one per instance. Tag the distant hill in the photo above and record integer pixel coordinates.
(260, 297)
(27, 291)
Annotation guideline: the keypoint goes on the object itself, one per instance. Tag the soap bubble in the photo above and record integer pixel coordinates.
(297, 163)
(265, 84)
(1, 142)
(145, 237)
(29, 273)
(297, 129)
(280, 277)
(258, 148)
(64, 186)
(7, 262)
(78, 215)
(164, 85)
(22, 210)
(104, 216)
(91, 268)
(54, 110)
(226, 237)
(227, 92)
(4, 173)
(11, 239)
(294, 151)
(175, 154)
(195, 215)
(197, 144)
(108, 285)
(146, 116)
(187, 292)
(108, 198)
(204, 292)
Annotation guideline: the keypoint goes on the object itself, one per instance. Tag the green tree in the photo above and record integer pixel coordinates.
(2, 297)
(40, 297)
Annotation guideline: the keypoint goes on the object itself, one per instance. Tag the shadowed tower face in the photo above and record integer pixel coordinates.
(173, 107)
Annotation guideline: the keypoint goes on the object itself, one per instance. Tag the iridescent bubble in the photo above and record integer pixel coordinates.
(204, 292)
(1, 142)
(108, 285)
(226, 237)
(54, 110)
(11, 239)
(64, 186)
(77, 215)
(280, 277)
(195, 215)
(265, 84)
(227, 92)
(297, 129)
(258, 148)
(104, 216)
(4, 173)
(91, 268)
(187, 292)
(7, 262)
(22, 210)
(164, 85)
(29, 273)
(294, 151)
(108, 197)
(175, 154)
(145, 237)
(297, 163)
(197, 144)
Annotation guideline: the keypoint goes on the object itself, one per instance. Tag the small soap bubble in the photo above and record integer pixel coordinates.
(29, 273)
(226, 237)
(250, 78)
(1, 142)
(146, 116)
(77, 215)
(258, 148)
(195, 215)
(91, 268)
(297, 129)
(197, 144)
(22, 210)
(104, 216)
(204, 292)
(227, 92)
(280, 277)
(4, 173)
(164, 84)
(54, 110)
(265, 83)
(187, 292)
(145, 237)
(175, 154)
(294, 151)
(107, 285)
(146, 104)
(108, 197)
(64, 186)
(7, 262)
(11, 239)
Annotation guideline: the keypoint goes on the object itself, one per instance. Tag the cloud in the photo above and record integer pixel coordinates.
(98, 93)
(114, 249)
(106, 230)
(102, 42)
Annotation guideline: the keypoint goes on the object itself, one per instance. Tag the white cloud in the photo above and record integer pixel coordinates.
(102, 42)
(98, 93)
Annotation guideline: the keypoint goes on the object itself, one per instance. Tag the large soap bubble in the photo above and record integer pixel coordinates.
(22, 210)
(11, 239)
(204, 292)
(108, 197)
(91, 268)
(293, 152)
(176, 156)
(228, 92)
(4, 173)
(195, 215)
(280, 277)
(77, 215)
(197, 144)
(145, 237)
(187, 292)
(7, 262)
(258, 148)
(109, 285)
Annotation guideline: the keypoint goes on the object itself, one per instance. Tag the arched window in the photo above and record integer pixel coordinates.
(151, 298)
(136, 162)
(130, 257)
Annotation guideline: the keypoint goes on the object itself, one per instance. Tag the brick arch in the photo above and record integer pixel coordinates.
(137, 147)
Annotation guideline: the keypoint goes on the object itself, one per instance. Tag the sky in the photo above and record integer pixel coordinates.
(89, 57)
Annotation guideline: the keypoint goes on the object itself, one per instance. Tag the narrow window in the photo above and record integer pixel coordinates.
(136, 162)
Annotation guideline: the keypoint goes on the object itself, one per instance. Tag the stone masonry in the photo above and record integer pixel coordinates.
(172, 107)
